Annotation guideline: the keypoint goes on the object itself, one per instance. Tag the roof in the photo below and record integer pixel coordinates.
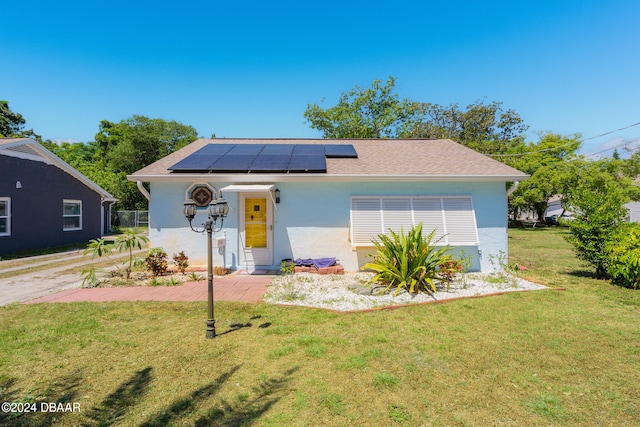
(29, 149)
(378, 160)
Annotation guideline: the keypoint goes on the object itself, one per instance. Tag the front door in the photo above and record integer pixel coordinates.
(256, 229)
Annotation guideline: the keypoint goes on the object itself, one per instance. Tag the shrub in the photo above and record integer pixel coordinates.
(181, 261)
(599, 204)
(128, 241)
(407, 261)
(157, 261)
(624, 256)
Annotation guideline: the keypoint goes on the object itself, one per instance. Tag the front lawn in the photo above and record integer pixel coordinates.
(556, 357)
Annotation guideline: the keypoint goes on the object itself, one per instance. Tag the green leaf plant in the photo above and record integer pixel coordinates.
(408, 261)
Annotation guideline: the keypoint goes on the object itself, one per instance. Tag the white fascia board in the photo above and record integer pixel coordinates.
(312, 177)
(252, 188)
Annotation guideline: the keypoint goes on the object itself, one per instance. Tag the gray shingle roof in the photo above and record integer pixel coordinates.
(400, 159)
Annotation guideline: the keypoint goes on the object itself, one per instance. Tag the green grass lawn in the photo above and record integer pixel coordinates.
(553, 357)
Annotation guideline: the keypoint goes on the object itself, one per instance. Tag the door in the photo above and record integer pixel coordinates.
(256, 229)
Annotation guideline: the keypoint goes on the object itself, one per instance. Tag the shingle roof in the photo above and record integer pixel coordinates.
(32, 150)
(428, 159)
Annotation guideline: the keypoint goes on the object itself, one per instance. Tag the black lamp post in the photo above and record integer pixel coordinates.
(218, 209)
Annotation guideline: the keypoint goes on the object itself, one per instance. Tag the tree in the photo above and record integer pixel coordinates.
(486, 128)
(139, 141)
(10, 123)
(363, 113)
(123, 148)
(597, 200)
(548, 163)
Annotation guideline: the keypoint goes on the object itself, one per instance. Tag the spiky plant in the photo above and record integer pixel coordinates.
(408, 261)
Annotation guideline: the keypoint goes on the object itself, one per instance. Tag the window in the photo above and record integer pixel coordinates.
(72, 215)
(452, 217)
(5, 216)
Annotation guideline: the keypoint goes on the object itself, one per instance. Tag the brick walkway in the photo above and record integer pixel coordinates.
(249, 288)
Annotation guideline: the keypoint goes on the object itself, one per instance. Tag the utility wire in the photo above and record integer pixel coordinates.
(570, 143)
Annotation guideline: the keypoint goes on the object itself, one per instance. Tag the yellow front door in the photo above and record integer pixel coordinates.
(255, 219)
(256, 229)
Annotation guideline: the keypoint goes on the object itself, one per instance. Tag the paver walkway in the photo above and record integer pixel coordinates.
(237, 287)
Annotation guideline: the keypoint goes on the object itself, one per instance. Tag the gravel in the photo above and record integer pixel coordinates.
(353, 291)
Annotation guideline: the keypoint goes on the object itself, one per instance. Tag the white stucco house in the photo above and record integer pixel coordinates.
(317, 198)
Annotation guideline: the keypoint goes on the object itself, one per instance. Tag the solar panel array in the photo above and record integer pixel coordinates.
(263, 158)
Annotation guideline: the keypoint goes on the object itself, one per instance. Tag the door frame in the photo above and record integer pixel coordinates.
(247, 256)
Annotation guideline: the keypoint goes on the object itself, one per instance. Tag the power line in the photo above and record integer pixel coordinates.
(570, 143)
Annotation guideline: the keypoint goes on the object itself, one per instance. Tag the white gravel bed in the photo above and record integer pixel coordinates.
(347, 292)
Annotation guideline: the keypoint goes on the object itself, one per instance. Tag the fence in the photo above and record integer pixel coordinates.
(133, 219)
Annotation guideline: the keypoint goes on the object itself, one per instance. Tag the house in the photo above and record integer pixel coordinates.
(44, 202)
(317, 198)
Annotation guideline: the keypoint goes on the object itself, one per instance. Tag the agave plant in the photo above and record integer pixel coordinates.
(408, 261)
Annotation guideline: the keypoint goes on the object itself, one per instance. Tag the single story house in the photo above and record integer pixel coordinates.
(44, 202)
(318, 198)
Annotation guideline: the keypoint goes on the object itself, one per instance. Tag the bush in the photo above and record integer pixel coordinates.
(599, 204)
(624, 256)
(181, 261)
(408, 261)
(157, 261)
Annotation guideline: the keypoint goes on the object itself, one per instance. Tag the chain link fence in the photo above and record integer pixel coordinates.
(133, 219)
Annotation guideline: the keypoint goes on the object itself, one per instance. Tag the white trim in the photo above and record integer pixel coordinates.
(79, 216)
(317, 177)
(7, 216)
(251, 188)
(453, 218)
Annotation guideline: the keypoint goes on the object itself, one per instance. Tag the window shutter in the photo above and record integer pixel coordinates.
(460, 221)
(452, 217)
(366, 220)
(429, 212)
(396, 215)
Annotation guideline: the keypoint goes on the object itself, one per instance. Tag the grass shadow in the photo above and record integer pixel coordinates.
(246, 410)
(174, 412)
(116, 405)
(61, 390)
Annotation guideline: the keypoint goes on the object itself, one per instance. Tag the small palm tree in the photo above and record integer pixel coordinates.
(128, 241)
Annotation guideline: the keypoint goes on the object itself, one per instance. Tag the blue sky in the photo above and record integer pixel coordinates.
(249, 69)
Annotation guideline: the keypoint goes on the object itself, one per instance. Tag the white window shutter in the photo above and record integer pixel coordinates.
(396, 215)
(460, 221)
(428, 210)
(366, 220)
(452, 217)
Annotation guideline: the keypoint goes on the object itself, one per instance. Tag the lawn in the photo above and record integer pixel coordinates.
(565, 356)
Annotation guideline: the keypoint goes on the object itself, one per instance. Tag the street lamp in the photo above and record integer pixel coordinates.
(218, 210)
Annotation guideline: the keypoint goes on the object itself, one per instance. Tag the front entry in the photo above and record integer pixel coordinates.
(256, 229)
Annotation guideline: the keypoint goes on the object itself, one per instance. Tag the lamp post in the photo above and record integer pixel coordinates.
(218, 210)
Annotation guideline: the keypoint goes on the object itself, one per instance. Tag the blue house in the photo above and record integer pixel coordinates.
(316, 198)
(44, 202)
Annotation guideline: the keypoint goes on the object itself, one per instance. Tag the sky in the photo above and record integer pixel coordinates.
(250, 68)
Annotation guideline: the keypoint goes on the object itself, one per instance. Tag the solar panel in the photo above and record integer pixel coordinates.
(231, 163)
(245, 150)
(308, 149)
(277, 149)
(263, 158)
(195, 162)
(215, 149)
(309, 163)
(270, 163)
(341, 151)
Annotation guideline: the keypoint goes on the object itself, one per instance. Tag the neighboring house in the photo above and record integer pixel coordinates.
(44, 202)
(316, 198)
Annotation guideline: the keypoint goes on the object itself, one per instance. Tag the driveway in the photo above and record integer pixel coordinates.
(25, 285)
(59, 284)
